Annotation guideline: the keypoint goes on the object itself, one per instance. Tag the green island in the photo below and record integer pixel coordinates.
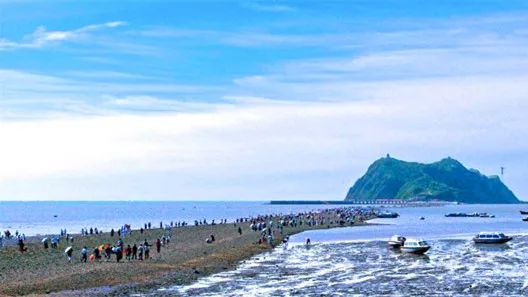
(446, 180)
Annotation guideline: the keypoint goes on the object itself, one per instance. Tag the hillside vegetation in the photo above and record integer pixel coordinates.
(446, 180)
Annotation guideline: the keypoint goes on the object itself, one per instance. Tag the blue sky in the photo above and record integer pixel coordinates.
(254, 99)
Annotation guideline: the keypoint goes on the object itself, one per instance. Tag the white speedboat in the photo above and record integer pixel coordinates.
(387, 215)
(491, 238)
(396, 241)
(415, 246)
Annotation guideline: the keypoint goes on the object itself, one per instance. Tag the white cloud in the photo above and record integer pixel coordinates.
(36, 95)
(418, 120)
(42, 37)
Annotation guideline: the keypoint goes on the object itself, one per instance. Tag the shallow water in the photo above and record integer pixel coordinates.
(452, 267)
(357, 261)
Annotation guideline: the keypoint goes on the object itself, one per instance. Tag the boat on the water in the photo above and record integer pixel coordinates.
(469, 215)
(525, 219)
(387, 215)
(524, 212)
(491, 238)
(396, 241)
(415, 246)
(456, 215)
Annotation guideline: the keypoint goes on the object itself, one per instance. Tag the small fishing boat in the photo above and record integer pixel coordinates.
(525, 219)
(469, 215)
(456, 215)
(524, 212)
(491, 238)
(396, 241)
(387, 215)
(415, 246)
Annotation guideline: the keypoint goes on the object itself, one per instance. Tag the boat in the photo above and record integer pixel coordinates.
(396, 241)
(491, 238)
(415, 246)
(469, 215)
(525, 219)
(524, 212)
(387, 215)
(456, 215)
(422, 218)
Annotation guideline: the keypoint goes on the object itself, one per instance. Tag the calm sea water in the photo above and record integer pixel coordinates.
(33, 218)
(356, 261)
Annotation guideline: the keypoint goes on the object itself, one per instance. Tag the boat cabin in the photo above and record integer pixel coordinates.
(494, 235)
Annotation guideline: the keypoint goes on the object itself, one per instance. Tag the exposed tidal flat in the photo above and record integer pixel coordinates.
(186, 258)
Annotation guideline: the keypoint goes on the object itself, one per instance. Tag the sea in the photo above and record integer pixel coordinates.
(351, 261)
(44, 218)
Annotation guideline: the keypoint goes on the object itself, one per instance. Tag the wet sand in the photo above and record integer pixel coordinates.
(188, 257)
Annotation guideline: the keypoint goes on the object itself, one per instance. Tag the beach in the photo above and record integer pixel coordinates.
(185, 259)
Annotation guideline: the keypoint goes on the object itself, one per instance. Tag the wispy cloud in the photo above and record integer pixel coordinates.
(34, 95)
(42, 37)
(268, 6)
(147, 103)
(458, 32)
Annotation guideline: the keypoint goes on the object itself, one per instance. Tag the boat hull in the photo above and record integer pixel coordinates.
(491, 240)
(388, 216)
(524, 212)
(395, 244)
(416, 250)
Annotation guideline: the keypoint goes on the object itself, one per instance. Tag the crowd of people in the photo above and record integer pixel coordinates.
(19, 238)
(268, 226)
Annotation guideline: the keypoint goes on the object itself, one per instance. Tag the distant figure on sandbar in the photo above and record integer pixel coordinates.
(84, 254)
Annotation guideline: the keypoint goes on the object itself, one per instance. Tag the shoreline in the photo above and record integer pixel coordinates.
(175, 278)
(185, 259)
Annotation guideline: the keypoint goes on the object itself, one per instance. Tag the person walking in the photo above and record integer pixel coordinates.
(140, 252)
(134, 252)
(69, 253)
(96, 253)
(146, 250)
(119, 253)
(158, 245)
(128, 252)
(84, 254)
(21, 246)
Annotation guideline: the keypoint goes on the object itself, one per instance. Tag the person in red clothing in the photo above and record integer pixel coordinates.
(158, 245)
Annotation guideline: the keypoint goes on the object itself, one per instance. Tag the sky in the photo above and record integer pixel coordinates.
(254, 100)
